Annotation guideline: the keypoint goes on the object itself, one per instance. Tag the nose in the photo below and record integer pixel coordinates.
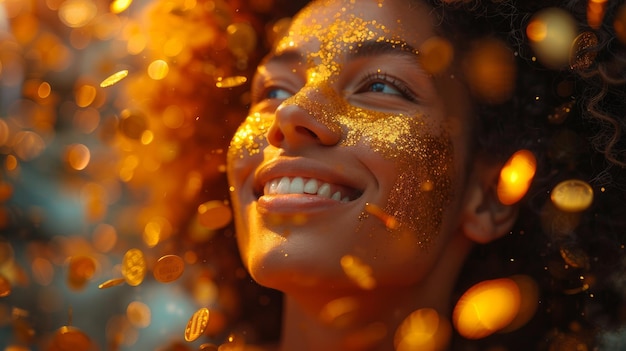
(296, 125)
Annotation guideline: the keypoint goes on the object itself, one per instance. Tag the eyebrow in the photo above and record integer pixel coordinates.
(361, 49)
(383, 47)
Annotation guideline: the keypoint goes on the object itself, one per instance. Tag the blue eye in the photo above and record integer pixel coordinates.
(380, 87)
(278, 93)
(381, 83)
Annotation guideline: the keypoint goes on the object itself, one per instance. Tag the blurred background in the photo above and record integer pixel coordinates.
(114, 120)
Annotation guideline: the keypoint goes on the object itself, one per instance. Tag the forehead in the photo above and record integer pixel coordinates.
(335, 26)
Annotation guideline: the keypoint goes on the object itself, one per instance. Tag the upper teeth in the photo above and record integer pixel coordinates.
(299, 185)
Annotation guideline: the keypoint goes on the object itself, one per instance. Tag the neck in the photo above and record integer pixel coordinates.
(325, 319)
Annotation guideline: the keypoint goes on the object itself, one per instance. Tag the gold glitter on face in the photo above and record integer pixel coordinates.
(250, 136)
(408, 132)
(422, 158)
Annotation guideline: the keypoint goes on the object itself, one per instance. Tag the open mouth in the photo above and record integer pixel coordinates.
(310, 186)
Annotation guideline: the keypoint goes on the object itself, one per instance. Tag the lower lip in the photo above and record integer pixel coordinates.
(295, 203)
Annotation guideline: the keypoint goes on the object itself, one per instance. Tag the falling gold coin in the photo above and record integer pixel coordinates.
(572, 195)
(114, 78)
(581, 55)
(168, 268)
(197, 324)
(5, 286)
(214, 214)
(230, 82)
(133, 267)
(574, 256)
(111, 282)
(70, 339)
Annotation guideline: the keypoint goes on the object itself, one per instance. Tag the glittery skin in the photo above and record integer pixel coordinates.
(250, 136)
(422, 150)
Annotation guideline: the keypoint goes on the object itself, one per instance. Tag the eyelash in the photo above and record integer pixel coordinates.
(262, 92)
(396, 83)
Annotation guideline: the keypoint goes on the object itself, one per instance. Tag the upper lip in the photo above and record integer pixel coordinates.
(305, 168)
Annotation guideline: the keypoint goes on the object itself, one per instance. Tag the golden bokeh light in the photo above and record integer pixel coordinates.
(278, 29)
(214, 214)
(158, 69)
(104, 237)
(95, 201)
(157, 229)
(572, 195)
(77, 13)
(551, 32)
(340, 313)
(173, 117)
(423, 330)
(133, 124)
(596, 10)
(619, 23)
(529, 302)
(242, 39)
(139, 314)
(136, 43)
(44, 90)
(80, 271)
(358, 272)
(5, 286)
(205, 291)
(490, 70)
(390, 221)
(516, 176)
(78, 156)
(119, 6)
(43, 271)
(11, 163)
(85, 95)
(5, 132)
(27, 145)
(435, 55)
(230, 82)
(86, 120)
(486, 308)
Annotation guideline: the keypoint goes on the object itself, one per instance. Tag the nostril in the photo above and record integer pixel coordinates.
(275, 136)
(304, 130)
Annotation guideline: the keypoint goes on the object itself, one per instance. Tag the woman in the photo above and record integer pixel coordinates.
(365, 174)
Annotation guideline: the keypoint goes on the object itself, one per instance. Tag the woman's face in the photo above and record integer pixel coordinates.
(352, 160)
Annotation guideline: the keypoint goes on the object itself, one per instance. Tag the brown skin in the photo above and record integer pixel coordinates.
(368, 124)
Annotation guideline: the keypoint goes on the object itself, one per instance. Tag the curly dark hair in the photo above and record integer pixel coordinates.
(572, 118)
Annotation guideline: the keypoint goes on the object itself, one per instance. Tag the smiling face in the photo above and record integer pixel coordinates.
(352, 161)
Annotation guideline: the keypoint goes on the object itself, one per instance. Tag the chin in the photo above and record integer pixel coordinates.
(285, 268)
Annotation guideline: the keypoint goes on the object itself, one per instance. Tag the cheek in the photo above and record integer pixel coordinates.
(249, 139)
(244, 155)
(423, 187)
(423, 156)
